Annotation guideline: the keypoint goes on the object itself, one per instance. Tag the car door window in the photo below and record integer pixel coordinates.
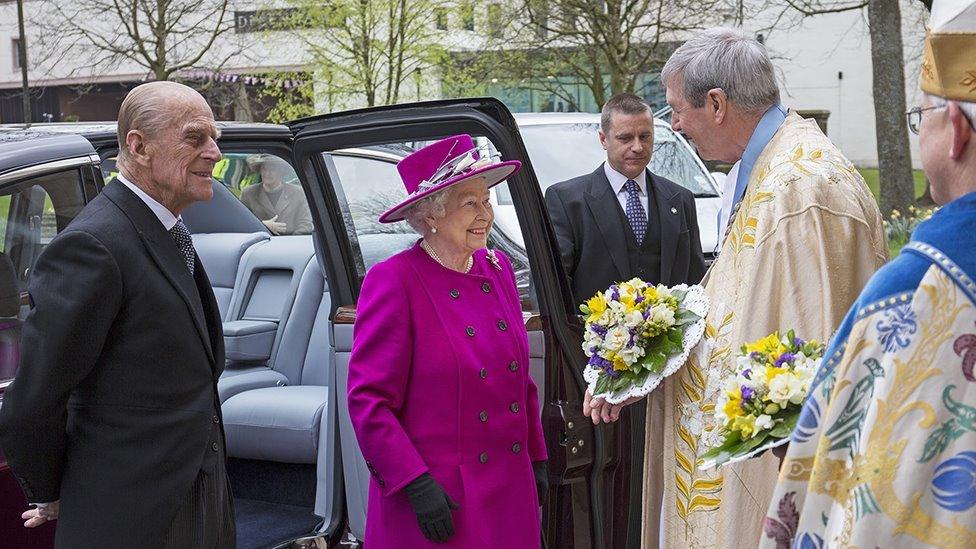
(32, 212)
(367, 184)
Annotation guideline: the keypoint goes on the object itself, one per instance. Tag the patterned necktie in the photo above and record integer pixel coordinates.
(181, 235)
(635, 211)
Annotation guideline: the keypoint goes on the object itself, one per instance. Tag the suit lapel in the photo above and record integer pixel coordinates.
(164, 253)
(669, 215)
(605, 209)
(211, 313)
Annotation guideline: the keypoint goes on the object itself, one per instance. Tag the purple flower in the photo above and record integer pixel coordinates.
(639, 298)
(798, 342)
(755, 355)
(785, 358)
(746, 392)
(598, 329)
(747, 373)
(614, 293)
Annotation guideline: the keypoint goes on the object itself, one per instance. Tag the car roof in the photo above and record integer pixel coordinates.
(108, 128)
(29, 147)
(544, 118)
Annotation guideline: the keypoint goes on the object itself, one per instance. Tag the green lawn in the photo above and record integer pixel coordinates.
(870, 176)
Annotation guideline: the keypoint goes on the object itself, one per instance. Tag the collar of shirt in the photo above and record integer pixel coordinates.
(165, 216)
(618, 180)
(768, 124)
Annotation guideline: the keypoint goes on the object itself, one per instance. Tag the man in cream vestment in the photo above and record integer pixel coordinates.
(804, 237)
(884, 453)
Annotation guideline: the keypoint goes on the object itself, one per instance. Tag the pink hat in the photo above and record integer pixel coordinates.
(442, 164)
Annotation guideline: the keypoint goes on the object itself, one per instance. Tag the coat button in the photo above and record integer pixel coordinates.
(455, 294)
(516, 448)
(485, 287)
(470, 331)
(483, 458)
(483, 416)
(513, 365)
(514, 407)
(483, 373)
(215, 419)
(214, 447)
(502, 325)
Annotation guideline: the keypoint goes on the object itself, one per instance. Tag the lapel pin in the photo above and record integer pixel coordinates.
(674, 210)
(493, 259)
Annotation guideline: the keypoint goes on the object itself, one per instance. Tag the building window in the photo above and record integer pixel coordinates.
(466, 11)
(15, 48)
(440, 15)
(496, 24)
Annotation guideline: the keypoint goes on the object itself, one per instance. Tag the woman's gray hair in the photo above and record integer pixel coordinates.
(430, 206)
(724, 58)
(968, 108)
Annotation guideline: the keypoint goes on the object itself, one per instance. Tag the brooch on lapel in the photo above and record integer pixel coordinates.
(674, 210)
(494, 259)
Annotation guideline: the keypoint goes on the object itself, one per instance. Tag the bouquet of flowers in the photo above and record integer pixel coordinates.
(760, 404)
(637, 334)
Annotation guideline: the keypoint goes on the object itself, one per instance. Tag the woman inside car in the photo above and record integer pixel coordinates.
(440, 396)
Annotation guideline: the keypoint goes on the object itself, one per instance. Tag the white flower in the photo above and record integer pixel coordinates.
(663, 314)
(786, 388)
(633, 319)
(631, 354)
(764, 422)
(616, 338)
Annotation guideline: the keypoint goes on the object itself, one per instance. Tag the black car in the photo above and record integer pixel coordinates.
(289, 306)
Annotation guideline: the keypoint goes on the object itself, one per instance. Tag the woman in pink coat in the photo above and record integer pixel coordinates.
(440, 396)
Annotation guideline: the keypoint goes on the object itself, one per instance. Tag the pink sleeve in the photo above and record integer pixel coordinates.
(379, 369)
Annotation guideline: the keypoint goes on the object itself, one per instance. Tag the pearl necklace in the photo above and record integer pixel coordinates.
(430, 251)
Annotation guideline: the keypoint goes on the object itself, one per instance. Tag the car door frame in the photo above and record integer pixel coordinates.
(587, 483)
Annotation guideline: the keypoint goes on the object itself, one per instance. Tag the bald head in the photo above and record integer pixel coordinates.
(149, 108)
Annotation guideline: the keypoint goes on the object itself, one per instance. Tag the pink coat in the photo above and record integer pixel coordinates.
(439, 383)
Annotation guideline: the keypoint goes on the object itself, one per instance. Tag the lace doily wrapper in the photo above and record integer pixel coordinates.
(727, 459)
(694, 301)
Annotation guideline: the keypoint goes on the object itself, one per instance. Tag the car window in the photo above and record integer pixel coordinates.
(367, 184)
(549, 146)
(32, 212)
(265, 183)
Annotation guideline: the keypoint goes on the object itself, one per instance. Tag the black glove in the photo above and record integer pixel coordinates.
(541, 479)
(433, 507)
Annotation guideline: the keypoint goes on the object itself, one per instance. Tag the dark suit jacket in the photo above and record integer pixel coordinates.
(592, 241)
(113, 406)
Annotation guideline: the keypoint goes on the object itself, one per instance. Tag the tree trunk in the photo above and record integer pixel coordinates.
(897, 186)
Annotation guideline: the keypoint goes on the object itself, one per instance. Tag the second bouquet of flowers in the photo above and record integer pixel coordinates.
(760, 403)
(637, 334)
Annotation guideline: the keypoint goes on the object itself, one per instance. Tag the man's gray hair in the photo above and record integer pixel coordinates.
(968, 108)
(430, 206)
(724, 58)
(149, 109)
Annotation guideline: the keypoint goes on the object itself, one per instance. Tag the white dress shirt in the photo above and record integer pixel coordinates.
(165, 216)
(617, 182)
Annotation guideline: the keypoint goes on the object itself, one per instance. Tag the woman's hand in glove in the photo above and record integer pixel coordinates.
(541, 479)
(433, 507)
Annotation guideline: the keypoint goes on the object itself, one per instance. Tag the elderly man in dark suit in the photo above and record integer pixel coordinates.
(113, 418)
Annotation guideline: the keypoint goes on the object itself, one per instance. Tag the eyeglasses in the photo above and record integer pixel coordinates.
(915, 116)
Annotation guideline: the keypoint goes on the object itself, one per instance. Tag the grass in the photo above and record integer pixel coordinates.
(870, 176)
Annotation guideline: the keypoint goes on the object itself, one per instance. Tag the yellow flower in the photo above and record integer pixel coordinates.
(773, 371)
(733, 408)
(767, 345)
(596, 304)
(618, 363)
(895, 214)
(745, 424)
(650, 293)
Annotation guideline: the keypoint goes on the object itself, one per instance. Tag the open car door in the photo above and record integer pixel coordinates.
(347, 163)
